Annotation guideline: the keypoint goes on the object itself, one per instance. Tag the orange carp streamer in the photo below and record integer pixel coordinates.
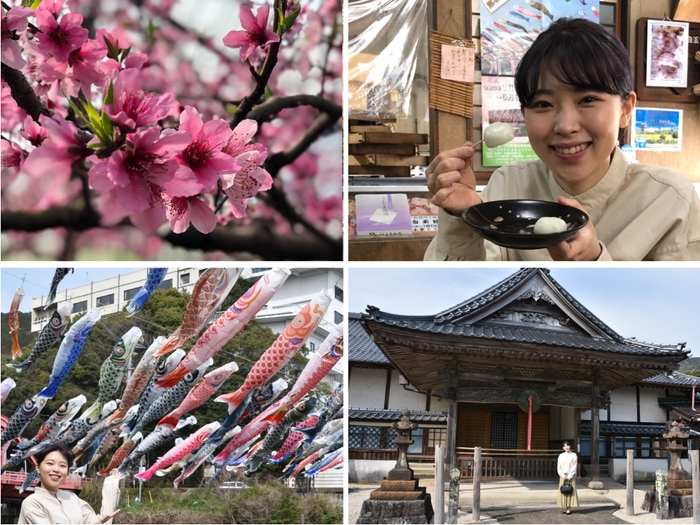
(13, 321)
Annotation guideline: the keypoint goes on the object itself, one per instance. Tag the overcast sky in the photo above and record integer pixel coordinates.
(658, 305)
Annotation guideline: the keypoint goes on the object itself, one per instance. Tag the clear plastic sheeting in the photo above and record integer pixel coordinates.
(388, 53)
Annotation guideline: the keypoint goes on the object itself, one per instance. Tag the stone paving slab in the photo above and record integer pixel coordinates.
(533, 502)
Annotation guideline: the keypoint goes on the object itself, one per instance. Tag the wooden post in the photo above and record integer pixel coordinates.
(439, 484)
(595, 440)
(476, 486)
(529, 423)
(695, 460)
(453, 502)
(629, 506)
(451, 442)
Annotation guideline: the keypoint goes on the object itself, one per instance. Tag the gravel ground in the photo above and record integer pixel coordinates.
(532, 503)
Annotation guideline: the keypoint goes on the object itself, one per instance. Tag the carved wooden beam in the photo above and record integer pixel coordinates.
(510, 395)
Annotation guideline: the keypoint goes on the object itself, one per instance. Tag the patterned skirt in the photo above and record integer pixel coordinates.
(570, 500)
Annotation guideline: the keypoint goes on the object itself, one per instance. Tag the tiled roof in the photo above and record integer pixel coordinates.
(361, 347)
(527, 335)
(674, 379)
(682, 406)
(377, 414)
(631, 429)
(496, 291)
(448, 322)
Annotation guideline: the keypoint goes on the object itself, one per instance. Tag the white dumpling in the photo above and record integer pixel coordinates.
(549, 225)
(497, 134)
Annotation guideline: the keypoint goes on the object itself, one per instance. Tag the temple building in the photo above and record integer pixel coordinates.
(514, 370)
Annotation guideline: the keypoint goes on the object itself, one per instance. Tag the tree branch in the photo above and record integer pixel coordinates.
(260, 240)
(74, 217)
(277, 161)
(23, 93)
(274, 105)
(257, 238)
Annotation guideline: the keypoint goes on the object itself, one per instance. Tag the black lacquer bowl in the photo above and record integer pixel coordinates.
(510, 223)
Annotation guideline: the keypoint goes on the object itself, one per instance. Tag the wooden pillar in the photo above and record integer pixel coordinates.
(439, 484)
(451, 445)
(595, 439)
(476, 485)
(629, 504)
(695, 470)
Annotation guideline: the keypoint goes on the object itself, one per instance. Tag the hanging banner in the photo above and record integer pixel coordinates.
(508, 29)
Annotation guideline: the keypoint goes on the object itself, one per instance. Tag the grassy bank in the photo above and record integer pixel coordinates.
(267, 502)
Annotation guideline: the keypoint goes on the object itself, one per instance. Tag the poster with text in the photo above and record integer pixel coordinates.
(657, 129)
(499, 103)
(508, 29)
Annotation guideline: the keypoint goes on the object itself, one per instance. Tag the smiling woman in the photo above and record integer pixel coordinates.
(49, 504)
(575, 91)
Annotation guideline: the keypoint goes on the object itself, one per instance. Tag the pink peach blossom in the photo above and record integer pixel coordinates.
(133, 107)
(183, 210)
(60, 39)
(255, 33)
(14, 20)
(203, 158)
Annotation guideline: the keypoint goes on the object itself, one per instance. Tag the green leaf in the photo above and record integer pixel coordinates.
(109, 96)
(150, 33)
(107, 126)
(78, 111)
(289, 21)
(96, 145)
(125, 53)
(112, 51)
(34, 4)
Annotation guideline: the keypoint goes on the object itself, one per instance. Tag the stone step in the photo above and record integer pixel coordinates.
(678, 474)
(681, 492)
(401, 486)
(397, 496)
(680, 483)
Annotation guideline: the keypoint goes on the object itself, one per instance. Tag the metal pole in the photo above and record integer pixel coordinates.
(629, 506)
(695, 457)
(440, 484)
(476, 485)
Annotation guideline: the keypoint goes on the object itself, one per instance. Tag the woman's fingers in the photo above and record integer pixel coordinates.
(108, 517)
(583, 246)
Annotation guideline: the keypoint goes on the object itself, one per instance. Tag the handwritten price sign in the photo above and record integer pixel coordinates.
(457, 63)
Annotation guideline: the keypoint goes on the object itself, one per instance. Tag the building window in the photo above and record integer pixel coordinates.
(79, 307)
(338, 317)
(185, 278)
(312, 347)
(437, 437)
(504, 430)
(129, 294)
(166, 285)
(339, 293)
(371, 437)
(105, 300)
(202, 271)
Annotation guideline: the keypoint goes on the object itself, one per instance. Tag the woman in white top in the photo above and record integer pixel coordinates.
(566, 468)
(48, 504)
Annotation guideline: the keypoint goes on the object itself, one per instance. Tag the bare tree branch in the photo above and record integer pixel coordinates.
(275, 162)
(260, 240)
(23, 93)
(274, 105)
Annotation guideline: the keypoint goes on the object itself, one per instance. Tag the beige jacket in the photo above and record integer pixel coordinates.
(640, 213)
(45, 506)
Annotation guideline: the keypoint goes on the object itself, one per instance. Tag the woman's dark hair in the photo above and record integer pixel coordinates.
(565, 443)
(576, 52)
(65, 452)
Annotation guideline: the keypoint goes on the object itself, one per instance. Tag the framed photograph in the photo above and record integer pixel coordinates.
(667, 54)
(687, 10)
(657, 129)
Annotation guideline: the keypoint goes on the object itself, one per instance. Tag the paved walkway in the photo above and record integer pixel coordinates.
(512, 502)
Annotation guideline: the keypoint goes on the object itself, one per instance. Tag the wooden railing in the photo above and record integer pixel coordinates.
(509, 463)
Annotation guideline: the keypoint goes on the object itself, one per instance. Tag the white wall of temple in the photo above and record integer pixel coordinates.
(366, 388)
(650, 410)
(562, 423)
